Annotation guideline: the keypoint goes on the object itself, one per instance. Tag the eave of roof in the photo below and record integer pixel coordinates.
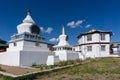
(2, 41)
(97, 31)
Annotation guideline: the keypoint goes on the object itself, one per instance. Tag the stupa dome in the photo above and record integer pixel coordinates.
(28, 25)
(34, 29)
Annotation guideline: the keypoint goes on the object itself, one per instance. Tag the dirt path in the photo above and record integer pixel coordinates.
(17, 70)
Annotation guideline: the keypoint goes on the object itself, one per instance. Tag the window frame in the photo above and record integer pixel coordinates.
(89, 48)
(89, 37)
(103, 48)
(14, 44)
(102, 37)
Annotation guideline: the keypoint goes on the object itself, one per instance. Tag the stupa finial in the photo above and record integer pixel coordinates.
(28, 12)
(63, 30)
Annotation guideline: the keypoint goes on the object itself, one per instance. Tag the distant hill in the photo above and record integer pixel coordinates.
(107, 68)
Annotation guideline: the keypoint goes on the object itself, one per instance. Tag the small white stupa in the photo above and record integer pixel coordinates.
(63, 38)
(63, 49)
(27, 47)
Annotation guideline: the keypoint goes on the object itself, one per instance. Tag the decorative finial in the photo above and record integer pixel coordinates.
(63, 30)
(93, 29)
(28, 12)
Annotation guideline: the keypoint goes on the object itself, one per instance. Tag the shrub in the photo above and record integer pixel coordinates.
(34, 65)
(62, 63)
(78, 61)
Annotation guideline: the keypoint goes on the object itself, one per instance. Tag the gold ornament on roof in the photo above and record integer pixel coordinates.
(93, 30)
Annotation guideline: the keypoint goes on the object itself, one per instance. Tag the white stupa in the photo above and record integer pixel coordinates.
(27, 47)
(63, 49)
(27, 22)
(63, 38)
(28, 37)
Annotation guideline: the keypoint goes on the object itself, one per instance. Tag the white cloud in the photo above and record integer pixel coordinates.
(53, 40)
(71, 24)
(79, 22)
(87, 26)
(49, 30)
(42, 29)
(74, 24)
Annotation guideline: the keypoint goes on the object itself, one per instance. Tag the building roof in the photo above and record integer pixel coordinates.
(94, 31)
(115, 44)
(3, 43)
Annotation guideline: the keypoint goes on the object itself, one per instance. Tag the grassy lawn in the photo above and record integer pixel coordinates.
(91, 69)
(97, 69)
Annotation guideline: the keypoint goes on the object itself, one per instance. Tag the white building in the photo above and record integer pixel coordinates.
(63, 49)
(94, 43)
(115, 48)
(27, 47)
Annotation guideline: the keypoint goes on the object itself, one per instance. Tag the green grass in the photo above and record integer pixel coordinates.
(61, 64)
(99, 65)
(107, 65)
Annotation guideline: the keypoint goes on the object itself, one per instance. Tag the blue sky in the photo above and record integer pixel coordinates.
(76, 15)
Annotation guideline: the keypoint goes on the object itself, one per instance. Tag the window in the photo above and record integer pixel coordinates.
(58, 48)
(102, 36)
(73, 49)
(54, 49)
(16, 36)
(79, 48)
(89, 37)
(14, 44)
(26, 35)
(102, 47)
(89, 48)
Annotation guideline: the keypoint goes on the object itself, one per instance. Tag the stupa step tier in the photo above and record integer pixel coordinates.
(28, 37)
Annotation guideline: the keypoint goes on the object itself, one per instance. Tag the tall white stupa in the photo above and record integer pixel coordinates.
(28, 37)
(27, 47)
(63, 49)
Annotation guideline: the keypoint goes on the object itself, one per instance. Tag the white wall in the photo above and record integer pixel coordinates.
(115, 50)
(27, 46)
(62, 55)
(76, 48)
(96, 50)
(26, 53)
(52, 60)
(67, 55)
(27, 58)
(95, 38)
(71, 55)
(10, 58)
